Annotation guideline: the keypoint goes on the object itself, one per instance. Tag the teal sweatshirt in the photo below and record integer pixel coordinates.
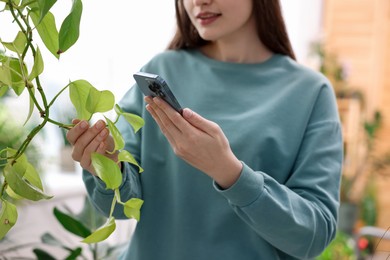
(281, 121)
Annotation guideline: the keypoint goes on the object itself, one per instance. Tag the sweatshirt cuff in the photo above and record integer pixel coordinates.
(245, 190)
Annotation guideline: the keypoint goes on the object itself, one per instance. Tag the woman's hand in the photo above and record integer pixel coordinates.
(87, 140)
(198, 141)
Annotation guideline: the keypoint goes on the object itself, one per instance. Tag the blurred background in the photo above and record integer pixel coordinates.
(347, 40)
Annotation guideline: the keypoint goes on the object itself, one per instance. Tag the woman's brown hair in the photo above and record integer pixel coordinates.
(271, 28)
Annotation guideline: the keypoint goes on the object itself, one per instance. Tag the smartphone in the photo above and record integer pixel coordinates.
(155, 86)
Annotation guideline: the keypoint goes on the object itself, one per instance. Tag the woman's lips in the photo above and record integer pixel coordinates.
(207, 18)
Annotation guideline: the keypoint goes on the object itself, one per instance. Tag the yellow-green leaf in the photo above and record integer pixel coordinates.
(20, 186)
(18, 71)
(116, 135)
(135, 121)
(3, 89)
(100, 101)
(78, 92)
(47, 30)
(107, 170)
(125, 156)
(132, 208)
(22, 162)
(32, 176)
(31, 107)
(5, 76)
(38, 65)
(69, 31)
(44, 7)
(8, 217)
(12, 194)
(18, 45)
(102, 233)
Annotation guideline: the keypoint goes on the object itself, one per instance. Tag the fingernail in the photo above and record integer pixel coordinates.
(103, 133)
(188, 113)
(83, 125)
(99, 124)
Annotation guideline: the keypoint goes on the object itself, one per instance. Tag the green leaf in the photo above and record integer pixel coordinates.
(49, 239)
(33, 177)
(100, 101)
(5, 76)
(17, 71)
(102, 233)
(47, 30)
(17, 74)
(125, 156)
(44, 7)
(12, 194)
(116, 135)
(18, 45)
(69, 31)
(107, 170)
(135, 121)
(19, 184)
(38, 65)
(31, 108)
(78, 92)
(8, 217)
(132, 208)
(74, 254)
(3, 89)
(43, 255)
(71, 224)
(22, 162)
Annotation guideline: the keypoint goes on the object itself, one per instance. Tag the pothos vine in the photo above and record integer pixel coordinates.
(19, 179)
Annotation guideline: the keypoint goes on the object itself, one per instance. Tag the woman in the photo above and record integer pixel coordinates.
(254, 173)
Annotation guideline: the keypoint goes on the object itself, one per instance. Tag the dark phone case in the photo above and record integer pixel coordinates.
(153, 85)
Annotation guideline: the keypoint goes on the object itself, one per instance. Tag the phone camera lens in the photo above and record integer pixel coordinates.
(154, 87)
(160, 94)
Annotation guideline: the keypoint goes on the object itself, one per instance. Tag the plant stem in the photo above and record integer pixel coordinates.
(27, 32)
(112, 206)
(66, 126)
(58, 94)
(95, 251)
(28, 140)
(3, 187)
(118, 196)
(44, 112)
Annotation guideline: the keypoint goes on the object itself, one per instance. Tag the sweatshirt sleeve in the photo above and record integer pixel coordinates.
(131, 184)
(304, 208)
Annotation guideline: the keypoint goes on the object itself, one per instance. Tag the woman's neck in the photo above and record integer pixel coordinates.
(252, 51)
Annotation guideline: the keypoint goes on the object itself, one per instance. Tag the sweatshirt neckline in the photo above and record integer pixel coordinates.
(234, 65)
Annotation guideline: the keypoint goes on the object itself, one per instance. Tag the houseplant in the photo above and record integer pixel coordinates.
(53, 244)
(33, 19)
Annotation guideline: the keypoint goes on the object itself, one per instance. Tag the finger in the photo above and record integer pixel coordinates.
(75, 121)
(164, 121)
(87, 137)
(200, 122)
(73, 134)
(170, 117)
(104, 147)
(109, 144)
(92, 147)
(167, 134)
